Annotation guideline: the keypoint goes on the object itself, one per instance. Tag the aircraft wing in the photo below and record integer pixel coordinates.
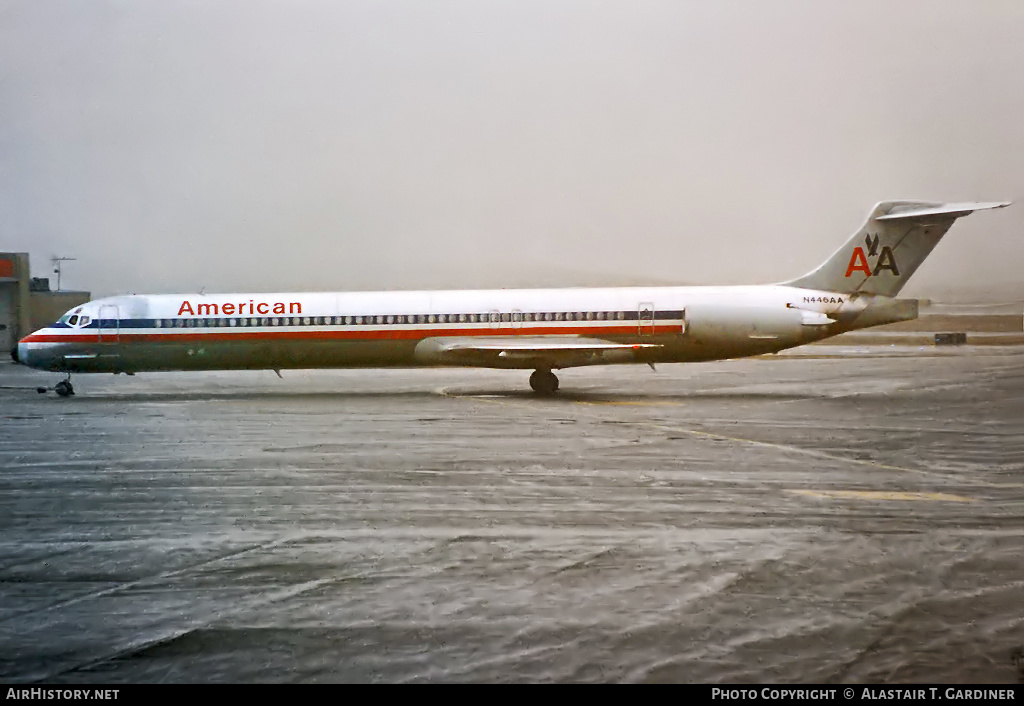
(528, 351)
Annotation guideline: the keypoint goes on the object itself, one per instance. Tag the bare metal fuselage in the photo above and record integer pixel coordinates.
(408, 329)
(542, 329)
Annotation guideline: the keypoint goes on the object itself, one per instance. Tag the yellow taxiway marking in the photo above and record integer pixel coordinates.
(881, 495)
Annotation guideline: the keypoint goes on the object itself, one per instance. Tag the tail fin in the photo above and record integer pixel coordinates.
(889, 247)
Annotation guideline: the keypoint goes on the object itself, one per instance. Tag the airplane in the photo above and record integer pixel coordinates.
(532, 329)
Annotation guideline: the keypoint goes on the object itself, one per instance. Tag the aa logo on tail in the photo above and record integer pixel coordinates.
(859, 261)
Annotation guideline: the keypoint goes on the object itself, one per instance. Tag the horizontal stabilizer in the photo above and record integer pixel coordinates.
(949, 210)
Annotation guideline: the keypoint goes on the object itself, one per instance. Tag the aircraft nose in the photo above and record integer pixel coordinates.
(20, 353)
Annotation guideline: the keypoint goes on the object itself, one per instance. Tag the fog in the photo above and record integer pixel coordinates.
(252, 145)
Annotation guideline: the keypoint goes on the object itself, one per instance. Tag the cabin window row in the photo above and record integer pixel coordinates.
(516, 317)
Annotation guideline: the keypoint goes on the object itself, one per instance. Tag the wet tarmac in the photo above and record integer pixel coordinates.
(831, 515)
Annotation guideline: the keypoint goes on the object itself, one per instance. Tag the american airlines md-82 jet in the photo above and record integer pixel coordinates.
(532, 329)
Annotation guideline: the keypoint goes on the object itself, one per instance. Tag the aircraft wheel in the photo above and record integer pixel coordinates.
(64, 388)
(544, 382)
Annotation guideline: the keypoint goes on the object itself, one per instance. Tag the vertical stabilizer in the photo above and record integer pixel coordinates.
(889, 247)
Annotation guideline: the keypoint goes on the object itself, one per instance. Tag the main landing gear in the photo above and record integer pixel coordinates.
(544, 382)
(64, 388)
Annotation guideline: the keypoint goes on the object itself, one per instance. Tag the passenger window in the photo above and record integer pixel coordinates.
(391, 319)
(621, 315)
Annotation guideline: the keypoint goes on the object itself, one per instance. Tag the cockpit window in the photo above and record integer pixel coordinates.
(84, 321)
(71, 317)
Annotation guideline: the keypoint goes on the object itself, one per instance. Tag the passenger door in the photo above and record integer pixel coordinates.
(645, 318)
(109, 324)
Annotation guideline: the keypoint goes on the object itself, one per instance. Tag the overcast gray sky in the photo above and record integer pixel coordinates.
(261, 145)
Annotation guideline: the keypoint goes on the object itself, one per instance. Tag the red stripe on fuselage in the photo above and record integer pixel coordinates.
(239, 334)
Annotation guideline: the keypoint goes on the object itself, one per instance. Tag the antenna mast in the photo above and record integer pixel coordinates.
(57, 266)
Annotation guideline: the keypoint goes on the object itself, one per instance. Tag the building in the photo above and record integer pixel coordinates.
(26, 302)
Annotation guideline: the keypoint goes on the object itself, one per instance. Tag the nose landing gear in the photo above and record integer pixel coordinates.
(64, 388)
(544, 382)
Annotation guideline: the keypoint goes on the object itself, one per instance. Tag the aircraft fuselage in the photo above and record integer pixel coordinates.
(382, 329)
